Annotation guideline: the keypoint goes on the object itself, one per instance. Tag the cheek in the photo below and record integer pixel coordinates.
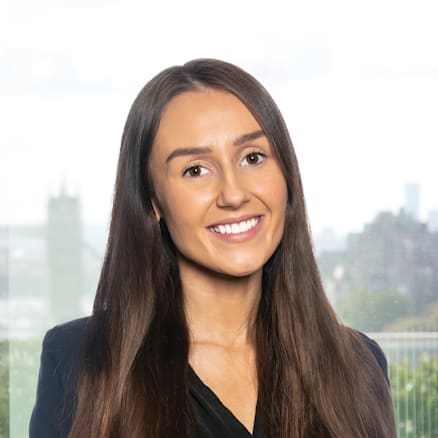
(272, 188)
(184, 208)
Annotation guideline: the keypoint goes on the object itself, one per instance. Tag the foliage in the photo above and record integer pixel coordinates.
(428, 322)
(414, 388)
(370, 311)
(19, 361)
(415, 394)
(4, 390)
(23, 375)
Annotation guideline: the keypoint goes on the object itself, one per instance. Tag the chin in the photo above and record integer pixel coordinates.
(241, 271)
(232, 268)
(240, 274)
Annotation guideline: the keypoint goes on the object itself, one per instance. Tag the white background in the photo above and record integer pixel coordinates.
(357, 83)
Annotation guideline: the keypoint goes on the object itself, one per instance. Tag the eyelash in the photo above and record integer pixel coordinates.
(260, 154)
(186, 171)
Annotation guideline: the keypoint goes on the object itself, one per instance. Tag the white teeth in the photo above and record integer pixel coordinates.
(243, 227)
(237, 227)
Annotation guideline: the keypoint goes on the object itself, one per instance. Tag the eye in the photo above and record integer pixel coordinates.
(254, 158)
(195, 171)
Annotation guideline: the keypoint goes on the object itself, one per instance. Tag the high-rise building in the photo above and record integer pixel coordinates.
(393, 253)
(412, 200)
(64, 256)
(432, 221)
(4, 280)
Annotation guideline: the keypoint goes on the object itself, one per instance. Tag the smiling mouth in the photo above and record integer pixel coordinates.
(236, 227)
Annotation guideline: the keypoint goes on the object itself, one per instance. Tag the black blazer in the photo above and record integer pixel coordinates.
(56, 392)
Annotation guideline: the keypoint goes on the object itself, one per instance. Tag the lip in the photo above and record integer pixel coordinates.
(234, 220)
(240, 237)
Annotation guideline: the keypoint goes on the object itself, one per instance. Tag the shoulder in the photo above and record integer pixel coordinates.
(62, 345)
(65, 340)
(61, 358)
(376, 350)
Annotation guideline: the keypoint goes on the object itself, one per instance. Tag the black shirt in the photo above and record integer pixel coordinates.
(214, 418)
(55, 400)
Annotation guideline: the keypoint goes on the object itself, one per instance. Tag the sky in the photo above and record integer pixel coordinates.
(357, 83)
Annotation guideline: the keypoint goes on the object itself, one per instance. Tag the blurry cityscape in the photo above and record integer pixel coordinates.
(382, 280)
(389, 269)
(385, 278)
(53, 268)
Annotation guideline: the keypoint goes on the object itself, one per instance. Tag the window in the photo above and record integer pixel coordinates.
(357, 85)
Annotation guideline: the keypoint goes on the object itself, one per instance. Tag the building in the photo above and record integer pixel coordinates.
(4, 282)
(394, 253)
(64, 255)
(412, 200)
(433, 221)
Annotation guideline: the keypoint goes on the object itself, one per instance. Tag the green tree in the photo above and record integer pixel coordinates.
(4, 390)
(23, 374)
(426, 323)
(370, 311)
(415, 395)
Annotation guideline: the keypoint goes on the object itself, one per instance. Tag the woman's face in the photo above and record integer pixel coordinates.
(219, 187)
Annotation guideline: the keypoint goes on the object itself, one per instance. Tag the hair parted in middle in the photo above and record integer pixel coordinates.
(315, 377)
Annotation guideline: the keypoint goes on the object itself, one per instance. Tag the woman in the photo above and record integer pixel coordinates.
(210, 319)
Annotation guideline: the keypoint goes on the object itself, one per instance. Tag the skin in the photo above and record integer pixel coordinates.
(221, 278)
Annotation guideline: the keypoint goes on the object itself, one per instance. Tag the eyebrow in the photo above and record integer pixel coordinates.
(205, 149)
(248, 137)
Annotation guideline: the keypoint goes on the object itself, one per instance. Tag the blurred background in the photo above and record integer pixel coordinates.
(357, 83)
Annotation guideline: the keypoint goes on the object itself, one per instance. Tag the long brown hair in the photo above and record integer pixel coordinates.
(316, 377)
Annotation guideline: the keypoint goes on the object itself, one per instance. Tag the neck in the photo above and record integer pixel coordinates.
(220, 309)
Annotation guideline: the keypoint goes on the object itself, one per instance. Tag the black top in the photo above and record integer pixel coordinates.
(56, 397)
(214, 418)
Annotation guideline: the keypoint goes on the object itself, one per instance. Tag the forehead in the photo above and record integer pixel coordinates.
(203, 118)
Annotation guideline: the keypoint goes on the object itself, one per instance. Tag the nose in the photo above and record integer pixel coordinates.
(232, 192)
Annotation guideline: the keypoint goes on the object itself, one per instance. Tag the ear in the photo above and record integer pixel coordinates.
(157, 212)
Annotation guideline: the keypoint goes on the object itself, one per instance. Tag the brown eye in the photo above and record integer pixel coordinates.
(254, 158)
(194, 171)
